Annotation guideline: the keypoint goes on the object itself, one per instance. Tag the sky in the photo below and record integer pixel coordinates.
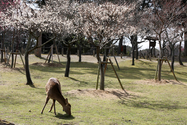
(144, 45)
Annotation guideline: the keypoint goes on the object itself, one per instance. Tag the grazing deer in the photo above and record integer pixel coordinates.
(53, 91)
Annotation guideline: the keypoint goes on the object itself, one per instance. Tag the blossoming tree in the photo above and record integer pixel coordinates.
(34, 21)
(4, 5)
(161, 17)
(104, 23)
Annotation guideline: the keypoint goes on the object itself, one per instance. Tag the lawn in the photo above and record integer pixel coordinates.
(149, 102)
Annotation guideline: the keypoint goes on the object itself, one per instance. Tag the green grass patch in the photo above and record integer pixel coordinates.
(147, 103)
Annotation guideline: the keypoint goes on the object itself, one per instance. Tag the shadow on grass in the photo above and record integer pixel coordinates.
(64, 116)
(142, 70)
(78, 80)
(152, 104)
(31, 85)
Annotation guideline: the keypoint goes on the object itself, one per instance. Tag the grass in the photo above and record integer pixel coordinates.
(150, 103)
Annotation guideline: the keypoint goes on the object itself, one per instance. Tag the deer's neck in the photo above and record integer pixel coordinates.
(61, 100)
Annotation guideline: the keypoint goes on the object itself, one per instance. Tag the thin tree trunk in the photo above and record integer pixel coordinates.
(136, 47)
(12, 47)
(159, 69)
(180, 61)
(185, 43)
(80, 53)
(172, 56)
(28, 76)
(102, 77)
(159, 59)
(49, 60)
(68, 62)
(12, 62)
(120, 45)
(38, 51)
(133, 55)
(133, 42)
(2, 45)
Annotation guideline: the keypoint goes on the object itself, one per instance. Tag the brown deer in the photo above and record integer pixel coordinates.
(53, 91)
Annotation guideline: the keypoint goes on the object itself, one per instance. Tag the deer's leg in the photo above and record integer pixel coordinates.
(54, 106)
(47, 99)
(51, 107)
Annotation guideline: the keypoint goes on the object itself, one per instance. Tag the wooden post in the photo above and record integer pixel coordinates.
(116, 62)
(161, 62)
(15, 58)
(48, 55)
(171, 70)
(117, 76)
(52, 52)
(57, 53)
(156, 74)
(21, 59)
(106, 65)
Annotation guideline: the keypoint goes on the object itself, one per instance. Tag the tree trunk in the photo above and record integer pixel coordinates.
(179, 56)
(159, 59)
(80, 53)
(136, 45)
(102, 79)
(172, 56)
(12, 62)
(120, 45)
(105, 54)
(185, 43)
(38, 51)
(49, 60)
(2, 46)
(133, 55)
(28, 76)
(12, 47)
(133, 42)
(102, 75)
(159, 69)
(68, 62)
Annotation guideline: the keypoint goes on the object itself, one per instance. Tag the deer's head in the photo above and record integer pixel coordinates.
(67, 107)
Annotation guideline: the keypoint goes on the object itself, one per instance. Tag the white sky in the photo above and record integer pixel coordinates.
(144, 45)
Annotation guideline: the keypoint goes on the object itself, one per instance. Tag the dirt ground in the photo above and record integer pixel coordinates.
(118, 93)
(106, 94)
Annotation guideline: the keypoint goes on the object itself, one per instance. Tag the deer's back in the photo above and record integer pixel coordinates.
(53, 88)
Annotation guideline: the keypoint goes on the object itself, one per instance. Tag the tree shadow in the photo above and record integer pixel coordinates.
(32, 86)
(78, 80)
(152, 104)
(65, 116)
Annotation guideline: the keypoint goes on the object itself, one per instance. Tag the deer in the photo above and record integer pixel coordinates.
(53, 91)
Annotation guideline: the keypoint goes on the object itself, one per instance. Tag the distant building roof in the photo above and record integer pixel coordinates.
(151, 38)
